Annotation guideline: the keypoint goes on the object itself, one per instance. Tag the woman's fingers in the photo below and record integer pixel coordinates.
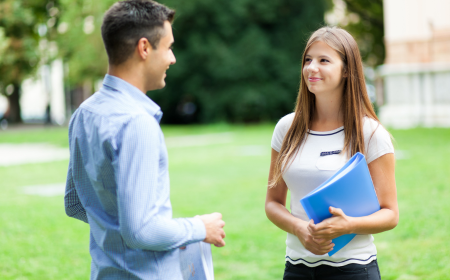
(317, 241)
(312, 228)
(322, 234)
(320, 249)
(325, 224)
(318, 246)
(322, 226)
(328, 247)
(324, 245)
(336, 211)
(322, 242)
(326, 234)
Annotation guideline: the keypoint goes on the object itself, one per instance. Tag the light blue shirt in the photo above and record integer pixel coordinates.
(118, 182)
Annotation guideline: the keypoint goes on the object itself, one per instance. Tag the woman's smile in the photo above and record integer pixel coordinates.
(313, 79)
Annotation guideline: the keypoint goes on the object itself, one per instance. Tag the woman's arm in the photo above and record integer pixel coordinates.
(383, 177)
(277, 213)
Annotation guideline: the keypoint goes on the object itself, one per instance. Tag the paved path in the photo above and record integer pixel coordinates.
(45, 190)
(16, 154)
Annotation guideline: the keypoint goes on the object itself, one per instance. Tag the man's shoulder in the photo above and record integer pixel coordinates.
(102, 103)
(108, 114)
(111, 105)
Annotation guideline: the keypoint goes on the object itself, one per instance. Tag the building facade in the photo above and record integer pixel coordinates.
(416, 73)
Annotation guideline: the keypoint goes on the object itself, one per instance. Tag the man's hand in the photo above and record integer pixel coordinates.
(214, 229)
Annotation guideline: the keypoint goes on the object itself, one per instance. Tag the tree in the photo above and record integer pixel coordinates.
(368, 29)
(237, 60)
(24, 26)
(80, 41)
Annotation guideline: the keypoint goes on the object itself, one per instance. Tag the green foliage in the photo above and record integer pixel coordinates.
(237, 61)
(368, 30)
(19, 47)
(22, 49)
(80, 40)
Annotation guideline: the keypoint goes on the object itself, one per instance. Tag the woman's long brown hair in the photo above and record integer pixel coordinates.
(355, 102)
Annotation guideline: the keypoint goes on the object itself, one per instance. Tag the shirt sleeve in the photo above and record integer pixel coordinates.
(72, 202)
(377, 140)
(143, 202)
(280, 131)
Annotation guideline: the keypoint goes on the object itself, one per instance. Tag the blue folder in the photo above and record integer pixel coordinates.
(350, 189)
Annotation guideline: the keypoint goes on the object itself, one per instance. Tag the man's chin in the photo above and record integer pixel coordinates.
(159, 86)
(163, 85)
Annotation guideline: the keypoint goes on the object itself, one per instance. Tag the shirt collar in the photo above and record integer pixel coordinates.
(120, 85)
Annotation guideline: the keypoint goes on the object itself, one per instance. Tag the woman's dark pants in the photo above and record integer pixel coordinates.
(368, 271)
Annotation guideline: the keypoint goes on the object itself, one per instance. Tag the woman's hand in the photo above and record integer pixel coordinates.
(317, 246)
(333, 227)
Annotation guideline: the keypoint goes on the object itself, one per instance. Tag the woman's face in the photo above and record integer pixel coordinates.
(323, 69)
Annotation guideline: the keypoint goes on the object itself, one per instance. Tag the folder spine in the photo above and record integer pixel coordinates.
(308, 209)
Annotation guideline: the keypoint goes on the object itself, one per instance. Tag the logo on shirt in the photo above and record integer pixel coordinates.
(322, 154)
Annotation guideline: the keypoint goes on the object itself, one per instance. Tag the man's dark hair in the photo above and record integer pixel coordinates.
(126, 22)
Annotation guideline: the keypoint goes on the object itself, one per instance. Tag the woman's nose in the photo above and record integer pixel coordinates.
(312, 67)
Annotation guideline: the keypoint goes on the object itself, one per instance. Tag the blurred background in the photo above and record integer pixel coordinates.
(52, 58)
(237, 74)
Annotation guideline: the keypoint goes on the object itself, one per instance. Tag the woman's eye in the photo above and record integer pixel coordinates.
(307, 59)
(324, 60)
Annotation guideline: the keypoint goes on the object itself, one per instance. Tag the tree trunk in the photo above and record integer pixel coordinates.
(14, 105)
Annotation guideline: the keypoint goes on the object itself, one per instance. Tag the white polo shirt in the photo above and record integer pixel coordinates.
(308, 170)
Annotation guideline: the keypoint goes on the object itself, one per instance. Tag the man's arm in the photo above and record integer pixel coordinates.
(72, 202)
(141, 196)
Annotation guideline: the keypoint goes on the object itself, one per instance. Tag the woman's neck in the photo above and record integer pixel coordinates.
(328, 114)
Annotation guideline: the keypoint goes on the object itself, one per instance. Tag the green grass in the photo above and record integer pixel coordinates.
(37, 240)
(417, 246)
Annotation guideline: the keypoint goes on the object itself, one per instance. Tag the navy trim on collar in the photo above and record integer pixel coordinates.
(325, 134)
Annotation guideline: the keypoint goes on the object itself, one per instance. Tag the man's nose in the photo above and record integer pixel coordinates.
(173, 60)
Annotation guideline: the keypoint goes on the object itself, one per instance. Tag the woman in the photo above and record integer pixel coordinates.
(333, 113)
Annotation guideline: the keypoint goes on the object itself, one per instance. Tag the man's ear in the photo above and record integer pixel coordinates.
(143, 48)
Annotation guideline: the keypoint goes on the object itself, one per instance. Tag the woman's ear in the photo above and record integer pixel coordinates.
(344, 72)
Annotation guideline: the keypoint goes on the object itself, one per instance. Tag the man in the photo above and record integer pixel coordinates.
(118, 180)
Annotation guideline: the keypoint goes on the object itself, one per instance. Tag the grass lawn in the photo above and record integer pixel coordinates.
(37, 240)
